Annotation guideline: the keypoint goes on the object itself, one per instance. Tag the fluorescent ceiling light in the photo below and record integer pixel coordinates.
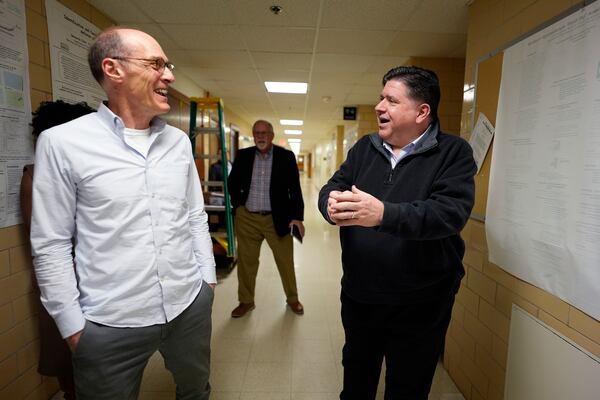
(287, 87)
(296, 122)
(292, 131)
(292, 140)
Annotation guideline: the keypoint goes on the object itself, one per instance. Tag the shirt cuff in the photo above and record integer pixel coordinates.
(209, 274)
(70, 322)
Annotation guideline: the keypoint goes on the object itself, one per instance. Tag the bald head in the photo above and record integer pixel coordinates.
(114, 42)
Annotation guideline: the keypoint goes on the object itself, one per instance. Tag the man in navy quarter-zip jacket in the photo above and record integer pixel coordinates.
(401, 199)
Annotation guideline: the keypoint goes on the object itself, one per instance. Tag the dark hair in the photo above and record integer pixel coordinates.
(52, 113)
(422, 85)
(108, 43)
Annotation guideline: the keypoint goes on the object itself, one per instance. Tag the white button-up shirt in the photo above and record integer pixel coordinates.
(138, 225)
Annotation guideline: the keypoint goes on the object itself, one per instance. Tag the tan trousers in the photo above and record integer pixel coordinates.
(251, 229)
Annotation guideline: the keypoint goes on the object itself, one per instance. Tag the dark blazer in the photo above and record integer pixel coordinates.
(285, 192)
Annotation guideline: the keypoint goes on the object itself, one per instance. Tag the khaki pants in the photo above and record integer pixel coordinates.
(251, 229)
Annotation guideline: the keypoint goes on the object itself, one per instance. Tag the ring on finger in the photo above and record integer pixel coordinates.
(353, 215)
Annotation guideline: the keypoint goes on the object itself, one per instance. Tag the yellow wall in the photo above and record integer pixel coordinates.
(450, 72)
(476, 344)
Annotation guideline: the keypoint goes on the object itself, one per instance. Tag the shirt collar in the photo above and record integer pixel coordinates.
(116, 125)
(266, 156)
(410, 146)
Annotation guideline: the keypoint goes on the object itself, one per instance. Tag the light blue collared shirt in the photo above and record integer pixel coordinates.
(259, 195)
(406, 150)
(142, 246)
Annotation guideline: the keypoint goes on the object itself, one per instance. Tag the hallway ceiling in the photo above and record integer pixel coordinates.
(341, 48)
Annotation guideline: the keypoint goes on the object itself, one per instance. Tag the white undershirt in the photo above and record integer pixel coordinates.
(139, 139)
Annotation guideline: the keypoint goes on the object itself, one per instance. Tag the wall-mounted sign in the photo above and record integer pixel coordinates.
(350, 113)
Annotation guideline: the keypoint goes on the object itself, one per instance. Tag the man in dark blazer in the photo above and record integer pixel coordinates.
(267, 200)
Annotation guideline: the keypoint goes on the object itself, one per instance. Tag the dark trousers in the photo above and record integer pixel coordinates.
(410, 338)
(109, 362)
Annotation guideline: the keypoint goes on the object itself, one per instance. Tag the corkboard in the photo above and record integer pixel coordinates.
(487, 89)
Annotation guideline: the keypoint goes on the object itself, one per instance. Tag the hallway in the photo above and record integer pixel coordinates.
(273, 354)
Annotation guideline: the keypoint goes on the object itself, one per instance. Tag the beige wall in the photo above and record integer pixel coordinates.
(450, 72)
(476, 344)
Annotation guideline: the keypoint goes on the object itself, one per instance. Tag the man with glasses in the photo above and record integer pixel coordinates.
(124, 186)
(265, 193)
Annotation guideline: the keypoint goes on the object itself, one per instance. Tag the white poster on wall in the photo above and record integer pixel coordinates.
(481, 138)
(70, 37)
(16, 145)
(543, 210)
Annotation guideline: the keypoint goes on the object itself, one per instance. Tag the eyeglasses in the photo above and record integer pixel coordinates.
(157, 64)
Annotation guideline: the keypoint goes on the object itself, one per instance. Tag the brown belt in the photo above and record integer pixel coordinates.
(260, 212)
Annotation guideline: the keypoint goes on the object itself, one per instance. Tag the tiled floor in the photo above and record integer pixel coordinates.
(273, 354)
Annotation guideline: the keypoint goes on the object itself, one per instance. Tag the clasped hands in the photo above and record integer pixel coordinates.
(354, 207)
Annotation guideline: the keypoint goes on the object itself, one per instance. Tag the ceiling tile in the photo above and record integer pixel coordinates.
(242, 88)
(373, 78)
(295, 100)
(353, 41)
(361, 99)
(383, 64)
(293, 13)
(320, 77)
(281, 61)
(448, 16)
(205, 37)
(218, 58)
(127, 11)
(162, 37)
(372, 14)
(371, 91)
(279, 39)
(343, 62)
(412, 44)
(199, 12)
(283, 75)
(245, 75)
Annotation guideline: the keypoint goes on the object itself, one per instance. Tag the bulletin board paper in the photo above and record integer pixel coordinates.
(16, 145)
(70, 37)
(543, 209)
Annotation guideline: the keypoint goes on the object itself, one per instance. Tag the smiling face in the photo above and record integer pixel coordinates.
(401, 119)
(263, 135)
(144, 87)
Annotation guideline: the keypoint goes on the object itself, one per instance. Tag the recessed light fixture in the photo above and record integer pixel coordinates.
(295, 122)
(294, 140)
(287, 87)
(292, 131)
